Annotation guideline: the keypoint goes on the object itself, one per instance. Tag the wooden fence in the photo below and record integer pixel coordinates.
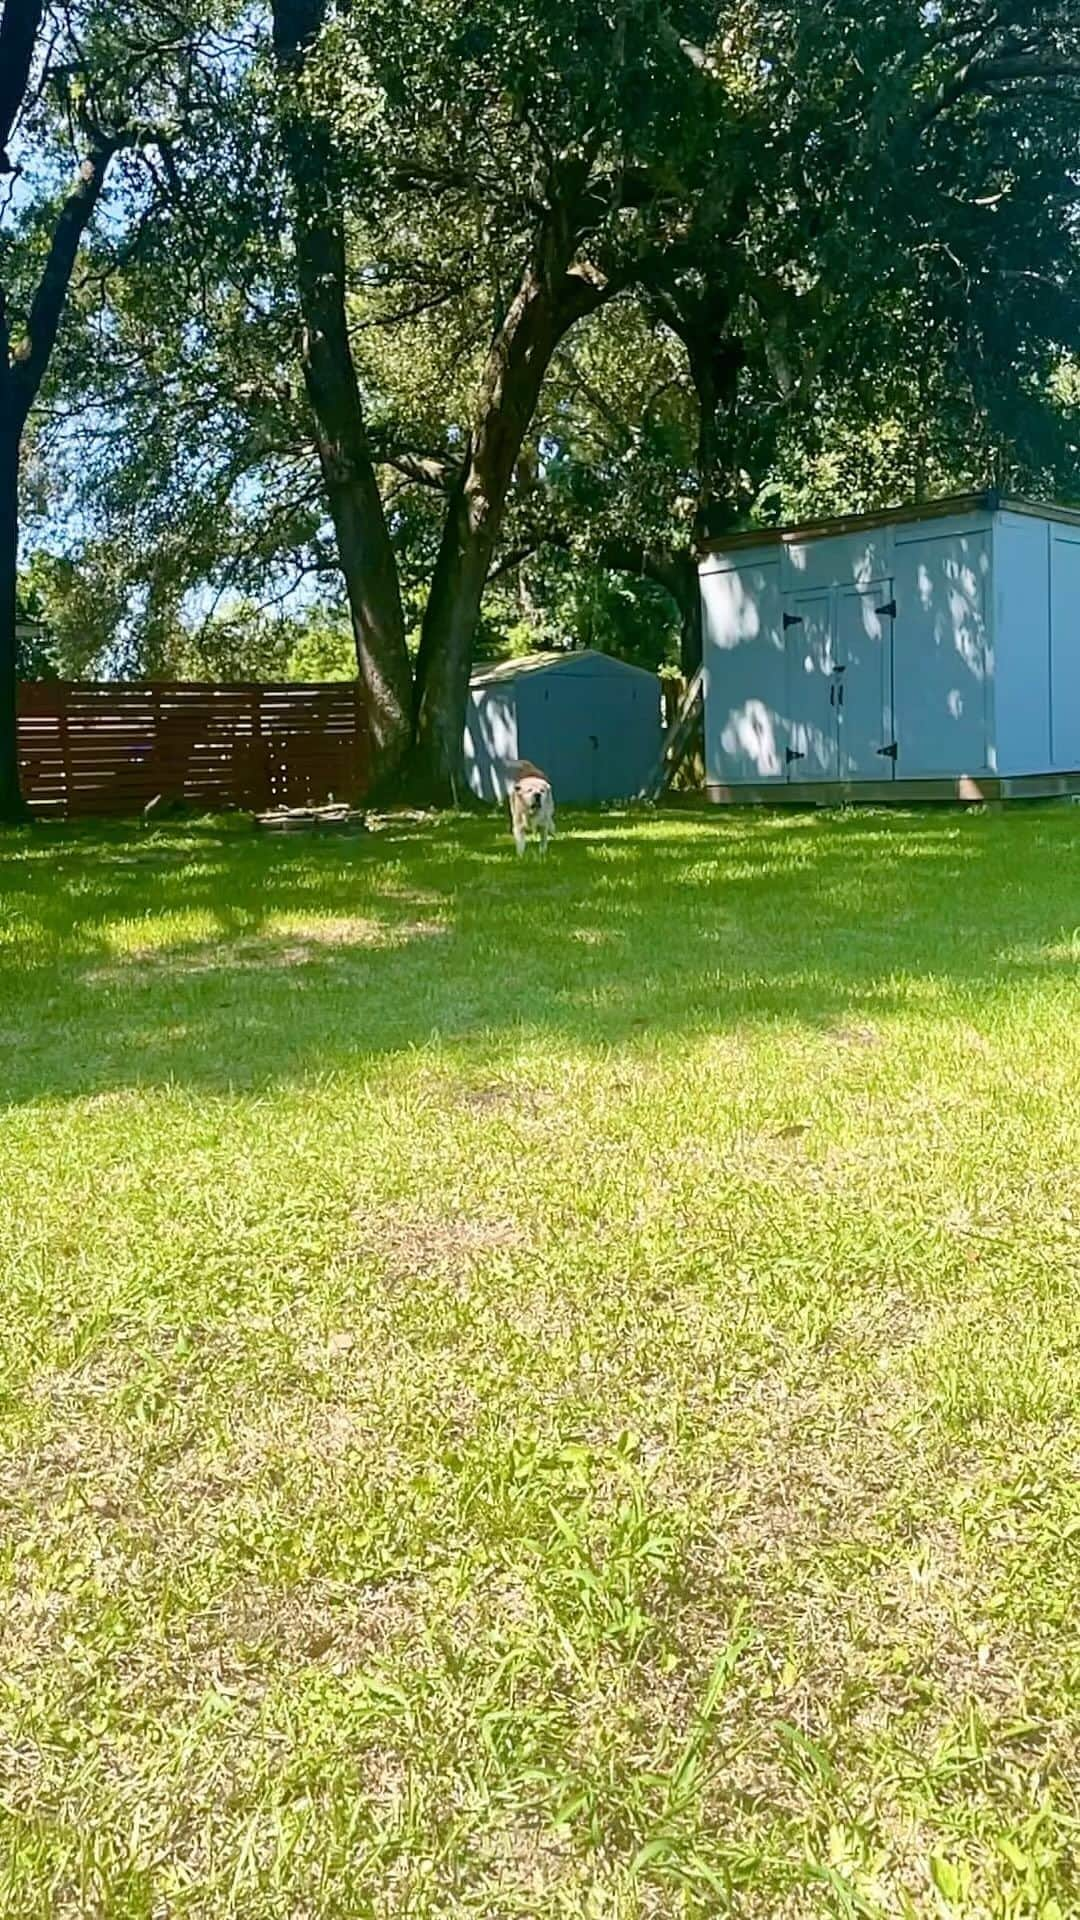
(93, 747)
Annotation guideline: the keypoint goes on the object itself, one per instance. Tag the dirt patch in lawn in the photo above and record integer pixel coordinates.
(293, 947)
(408, 1247)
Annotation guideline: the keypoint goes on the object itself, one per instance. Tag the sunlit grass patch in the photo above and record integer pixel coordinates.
(541, 1388)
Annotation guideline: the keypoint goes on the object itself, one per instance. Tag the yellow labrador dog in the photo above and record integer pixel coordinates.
(532, 805)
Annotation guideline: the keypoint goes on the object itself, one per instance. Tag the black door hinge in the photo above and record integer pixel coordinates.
(793, 620)
(889, 752)
(887, 612)
(791, 755)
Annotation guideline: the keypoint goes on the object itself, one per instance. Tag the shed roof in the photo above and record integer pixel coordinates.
(582, 661)
(948, 505)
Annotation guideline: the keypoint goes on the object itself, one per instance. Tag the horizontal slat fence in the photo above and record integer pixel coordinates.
(96, 747)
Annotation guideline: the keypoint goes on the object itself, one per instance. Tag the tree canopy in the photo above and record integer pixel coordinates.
(403, 334)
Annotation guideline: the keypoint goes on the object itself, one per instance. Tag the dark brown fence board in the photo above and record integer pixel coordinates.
(95, 747)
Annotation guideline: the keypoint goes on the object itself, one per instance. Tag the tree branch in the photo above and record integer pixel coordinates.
(699, 57)
(673, 569)
(32, 358)
(984, 72)
(19, 25)
(514, 558)
(422, 469)
(297, 25)
(584, 289)
(599, 403)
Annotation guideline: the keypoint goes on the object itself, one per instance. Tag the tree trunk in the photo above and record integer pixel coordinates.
(688, 598)
(715, 357)
(714, 368)
(516, 365)
(446, 639)
(549, 301)
(20, 380)
(366, 555)
(708, 443)
(12, 805)
(363, 540)
(20, 21)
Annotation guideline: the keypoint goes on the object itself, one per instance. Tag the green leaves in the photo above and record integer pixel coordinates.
(875, 239)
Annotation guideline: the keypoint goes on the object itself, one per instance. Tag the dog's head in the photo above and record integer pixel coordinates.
(531, 792)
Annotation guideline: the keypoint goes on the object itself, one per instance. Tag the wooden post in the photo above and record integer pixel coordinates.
(157, 757)
(361, 744)
(260, 794)
(62, 742)
(676, 739)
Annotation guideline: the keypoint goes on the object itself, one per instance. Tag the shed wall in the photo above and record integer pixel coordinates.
(1065, 646)
(491, 739)
(595, 730)
(1022, 650)
(808, 676)
(746, 728)
(591, 723)
(942, 658)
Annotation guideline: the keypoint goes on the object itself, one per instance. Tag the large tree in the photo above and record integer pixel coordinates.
(903, 325)
(747, 171)
(79, 86)
(548, 136)
(830, 224)
(311, 155)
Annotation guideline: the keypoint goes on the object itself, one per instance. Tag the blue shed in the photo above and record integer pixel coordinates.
(932, 652)
(590, 722)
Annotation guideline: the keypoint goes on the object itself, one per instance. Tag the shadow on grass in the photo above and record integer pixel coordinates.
(210, 956)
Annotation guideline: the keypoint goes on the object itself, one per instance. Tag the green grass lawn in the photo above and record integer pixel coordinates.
(541, 1389)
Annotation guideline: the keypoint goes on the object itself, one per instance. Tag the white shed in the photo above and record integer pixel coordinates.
(589, 721)
(931, 652)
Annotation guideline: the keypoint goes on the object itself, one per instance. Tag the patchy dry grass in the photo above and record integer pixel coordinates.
(541, 1390)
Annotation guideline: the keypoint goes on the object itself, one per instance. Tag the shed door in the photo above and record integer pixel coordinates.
(864, 642)
(596, 735)
(811, 687)
(745, 675)
(627, 731)
(559, 730)
(941, 654)
(1065, 650)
